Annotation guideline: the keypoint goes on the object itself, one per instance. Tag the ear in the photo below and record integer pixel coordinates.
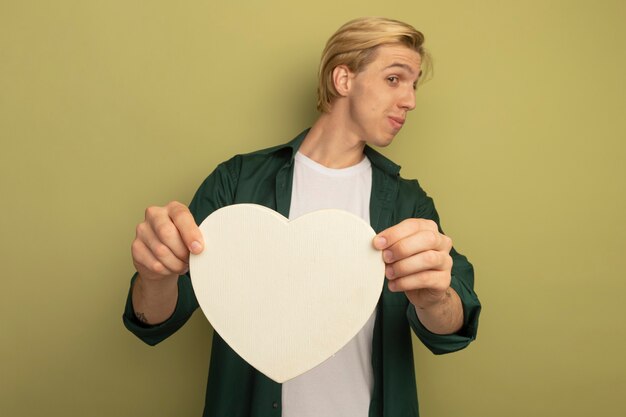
(342, 77)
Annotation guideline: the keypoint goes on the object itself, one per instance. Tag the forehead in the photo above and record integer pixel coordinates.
(400, 56)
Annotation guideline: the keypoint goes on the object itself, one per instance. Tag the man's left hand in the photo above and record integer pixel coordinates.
(418, 261)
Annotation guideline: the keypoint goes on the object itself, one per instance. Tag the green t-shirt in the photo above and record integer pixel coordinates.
(236, 389)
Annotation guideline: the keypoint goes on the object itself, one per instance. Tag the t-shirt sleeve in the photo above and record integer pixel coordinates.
(217, 190)
(462, 282)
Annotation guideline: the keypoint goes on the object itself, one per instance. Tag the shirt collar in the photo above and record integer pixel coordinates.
(377, 159)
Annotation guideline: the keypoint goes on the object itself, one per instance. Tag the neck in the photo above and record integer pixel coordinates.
(332, 144)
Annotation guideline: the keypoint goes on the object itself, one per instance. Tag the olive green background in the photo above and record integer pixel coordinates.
(107, 107)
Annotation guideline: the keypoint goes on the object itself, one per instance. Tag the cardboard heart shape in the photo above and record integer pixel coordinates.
(286, 295)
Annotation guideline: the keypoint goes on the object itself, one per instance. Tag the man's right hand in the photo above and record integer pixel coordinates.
(164, 240)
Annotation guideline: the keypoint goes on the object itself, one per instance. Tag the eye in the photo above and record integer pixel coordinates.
(393, 80)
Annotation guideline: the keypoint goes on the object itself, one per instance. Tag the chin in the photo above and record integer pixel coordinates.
(382, 142)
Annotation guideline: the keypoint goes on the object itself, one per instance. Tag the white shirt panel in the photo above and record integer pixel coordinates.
(342, 385)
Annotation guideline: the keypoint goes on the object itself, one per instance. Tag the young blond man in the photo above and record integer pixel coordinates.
(367, 82)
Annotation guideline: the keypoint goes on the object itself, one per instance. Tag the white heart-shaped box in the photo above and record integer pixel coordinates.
(286, 295)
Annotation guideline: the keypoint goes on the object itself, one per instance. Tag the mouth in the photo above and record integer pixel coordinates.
(396, 122)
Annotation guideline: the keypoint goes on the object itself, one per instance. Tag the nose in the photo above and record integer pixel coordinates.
(407, 101)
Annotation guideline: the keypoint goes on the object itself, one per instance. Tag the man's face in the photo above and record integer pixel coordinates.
(383, 93)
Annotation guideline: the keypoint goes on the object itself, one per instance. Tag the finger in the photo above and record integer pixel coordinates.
(144, 259)
(162, 251)
(187, 227)
(163, 230)
(401, 230)
(432, 280)
(421, 241)
(424, 261)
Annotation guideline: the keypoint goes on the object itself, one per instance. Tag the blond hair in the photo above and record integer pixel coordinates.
(354, 45)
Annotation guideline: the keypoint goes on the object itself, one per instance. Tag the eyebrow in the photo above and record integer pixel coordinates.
(403, 66)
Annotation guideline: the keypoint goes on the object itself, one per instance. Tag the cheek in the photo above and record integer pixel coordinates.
(366, 99)
(366, 106)
(372, 103)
